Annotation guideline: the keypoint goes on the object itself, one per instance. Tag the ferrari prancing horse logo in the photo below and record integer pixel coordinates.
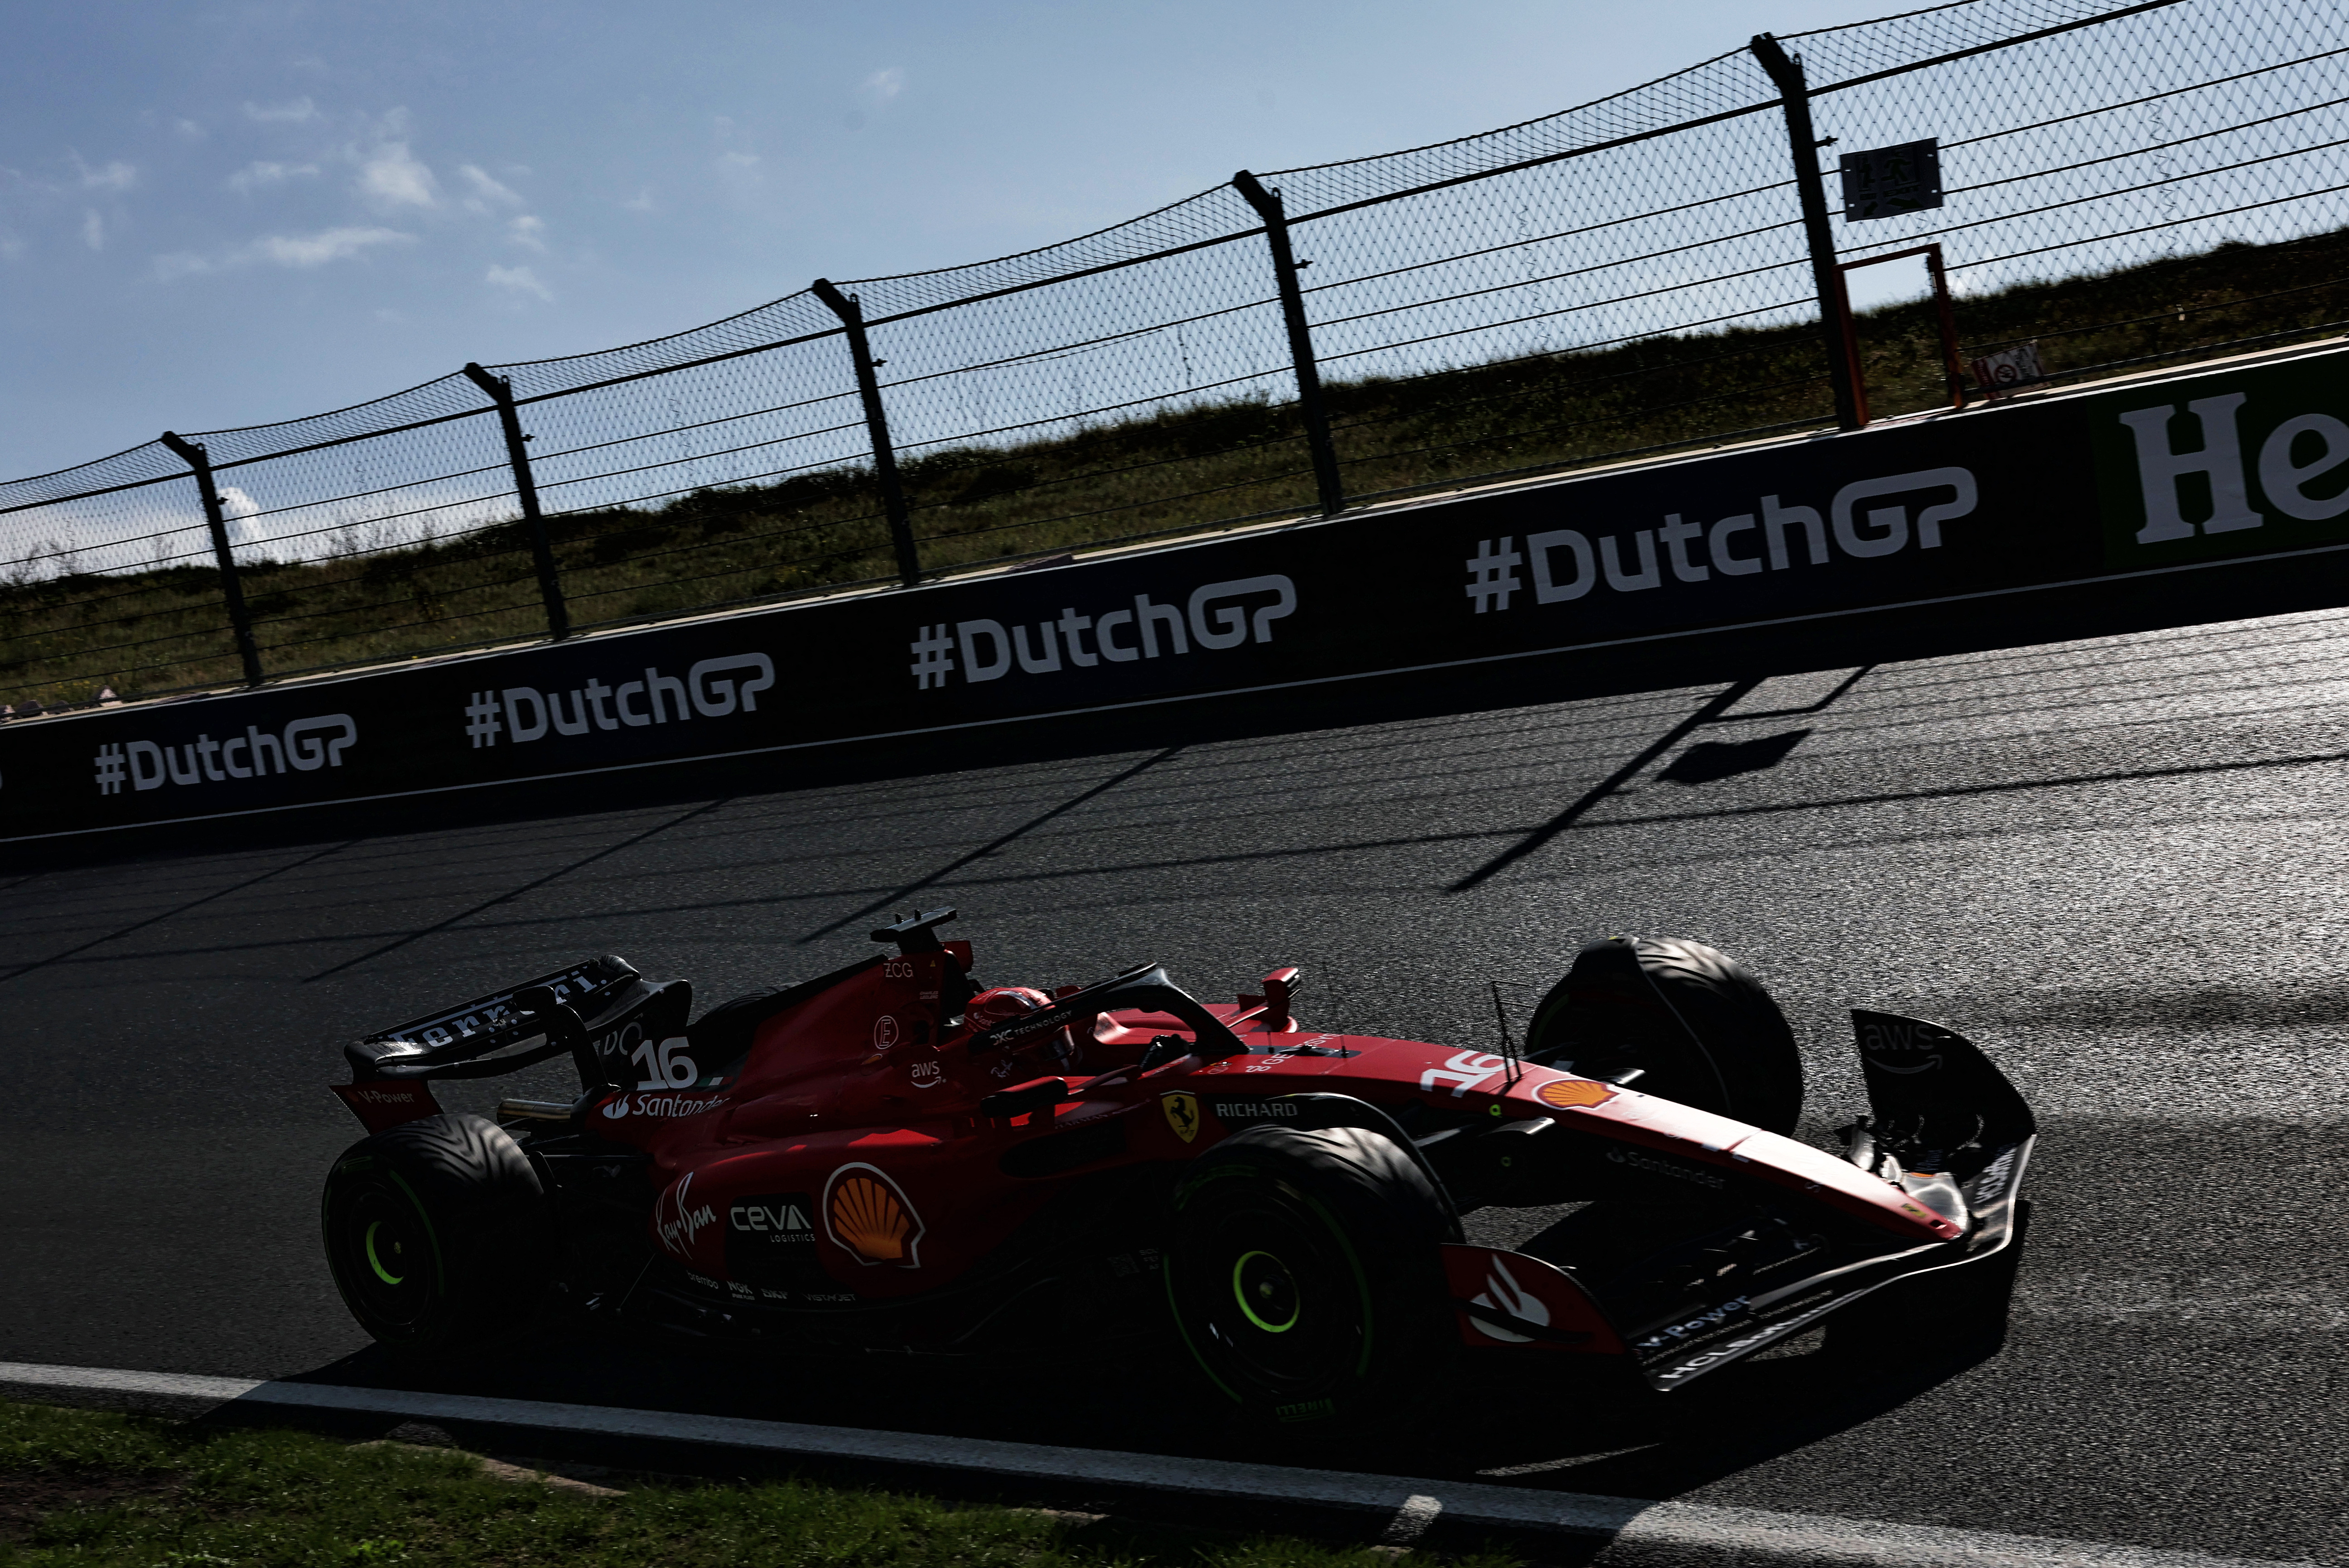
(1182, 1114)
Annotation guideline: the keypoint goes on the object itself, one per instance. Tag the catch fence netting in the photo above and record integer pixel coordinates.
(2123, 183)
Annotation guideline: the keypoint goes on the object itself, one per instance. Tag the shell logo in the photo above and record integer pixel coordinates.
(868, 1218)
(1569, 1094)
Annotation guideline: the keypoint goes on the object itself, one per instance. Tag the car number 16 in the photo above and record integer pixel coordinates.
(665, 1065)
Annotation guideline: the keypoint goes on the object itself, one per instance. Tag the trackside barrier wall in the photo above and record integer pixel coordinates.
(2172, 475)
(2115, 184)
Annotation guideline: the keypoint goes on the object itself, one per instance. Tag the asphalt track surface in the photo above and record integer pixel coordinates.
(2119, 864)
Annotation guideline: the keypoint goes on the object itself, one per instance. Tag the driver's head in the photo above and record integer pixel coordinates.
(989, 1008)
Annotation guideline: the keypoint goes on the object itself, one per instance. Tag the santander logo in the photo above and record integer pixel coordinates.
(1503, 1293)
(662, 1106)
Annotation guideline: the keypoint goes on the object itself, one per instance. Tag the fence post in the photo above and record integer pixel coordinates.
(1835, 303)
(876, 426)
(541, 548)
(1300, 341)
(231, 589)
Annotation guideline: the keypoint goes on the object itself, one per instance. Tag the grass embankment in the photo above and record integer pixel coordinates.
(60, 640)
(88, 1489)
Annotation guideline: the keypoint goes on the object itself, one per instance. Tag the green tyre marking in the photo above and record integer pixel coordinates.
(328, 1203)
(386, 1275)
(1361, 1281)
(431, 1231)
(1174, 1310)
(1240, 1293)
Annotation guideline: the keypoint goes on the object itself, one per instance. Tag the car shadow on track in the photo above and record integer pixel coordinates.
(1559, 1424)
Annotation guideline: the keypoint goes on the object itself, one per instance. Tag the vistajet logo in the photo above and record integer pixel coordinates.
(714, 688)
(304, 745)
(1216, 616)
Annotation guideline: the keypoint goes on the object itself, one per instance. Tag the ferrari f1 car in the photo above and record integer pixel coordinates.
(891, 1157)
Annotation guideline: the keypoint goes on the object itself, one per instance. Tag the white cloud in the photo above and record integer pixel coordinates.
(188, 129)
(114, 176)
(525, 230)
(642, 201)
(747, 162)
(183, 263)
(236, 507)
(330, 244)
(300, 111)
(394, 178)
(281, 250)
(883, 85)
(254, 176)
(520, 279)
(11, 247)
(93, 230)
(485, 188)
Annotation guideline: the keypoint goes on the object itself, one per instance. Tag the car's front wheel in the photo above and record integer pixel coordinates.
(1675, 1018)
(436, 1232)
(1305, 1276)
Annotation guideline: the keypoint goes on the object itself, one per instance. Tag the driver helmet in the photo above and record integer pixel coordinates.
(992, 1007)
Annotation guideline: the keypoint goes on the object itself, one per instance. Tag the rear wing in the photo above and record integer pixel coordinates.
(599, 1011)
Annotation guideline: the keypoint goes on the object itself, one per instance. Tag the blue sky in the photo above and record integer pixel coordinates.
(225, 214)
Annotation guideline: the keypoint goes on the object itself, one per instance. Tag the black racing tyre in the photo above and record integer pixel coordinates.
(1304, 1275)
(437, 1232)
(1693, 1019)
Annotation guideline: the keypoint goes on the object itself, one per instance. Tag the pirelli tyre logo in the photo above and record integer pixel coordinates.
(305, 745)
(1865, 519)
(1214, 618)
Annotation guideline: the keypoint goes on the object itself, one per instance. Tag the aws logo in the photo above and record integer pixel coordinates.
(1899, 1045)
(868, 1216)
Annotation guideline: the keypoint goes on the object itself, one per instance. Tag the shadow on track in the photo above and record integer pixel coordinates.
(516, 892)
(1553, 1423)
(984, 850)
(173, 912)
(1721, 703)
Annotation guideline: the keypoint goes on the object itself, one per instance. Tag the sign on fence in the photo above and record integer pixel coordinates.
(2008, 371)
(1891, 181)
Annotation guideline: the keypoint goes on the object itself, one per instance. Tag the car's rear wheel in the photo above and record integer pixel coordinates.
(1304, 1277)
(437, 1232)
(1692, 1022)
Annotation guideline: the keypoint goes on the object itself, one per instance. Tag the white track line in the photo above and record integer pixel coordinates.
(1638, 1531)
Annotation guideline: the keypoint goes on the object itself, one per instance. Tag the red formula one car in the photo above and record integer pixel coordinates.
(891, 1157)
